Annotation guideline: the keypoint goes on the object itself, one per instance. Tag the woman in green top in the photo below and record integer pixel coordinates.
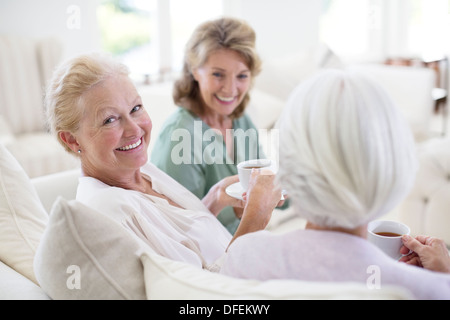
(205, 139)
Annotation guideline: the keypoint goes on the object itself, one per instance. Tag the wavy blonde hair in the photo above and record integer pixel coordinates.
(223, 33)
(63, 97)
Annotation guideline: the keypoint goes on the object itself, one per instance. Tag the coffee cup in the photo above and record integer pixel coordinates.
(387, 235)
(245, 169)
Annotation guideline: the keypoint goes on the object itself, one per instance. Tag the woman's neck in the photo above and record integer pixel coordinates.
(130, 181)
(360, 231)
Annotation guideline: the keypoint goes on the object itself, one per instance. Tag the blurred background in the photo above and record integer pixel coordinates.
(149, 35)
(295, 38)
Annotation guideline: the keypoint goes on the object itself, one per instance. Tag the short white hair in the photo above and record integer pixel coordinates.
(347, 155)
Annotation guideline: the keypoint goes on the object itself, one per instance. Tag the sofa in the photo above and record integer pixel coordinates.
(92, 257)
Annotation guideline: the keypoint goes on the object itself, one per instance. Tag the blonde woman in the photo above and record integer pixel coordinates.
(97, 115)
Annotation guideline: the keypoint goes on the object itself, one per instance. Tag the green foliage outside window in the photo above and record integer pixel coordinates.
(122, 27)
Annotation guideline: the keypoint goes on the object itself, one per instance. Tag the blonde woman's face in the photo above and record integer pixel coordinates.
(115, 129)
(223, 79)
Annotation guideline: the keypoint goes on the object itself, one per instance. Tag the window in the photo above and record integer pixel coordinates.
(185, 17)
(128, 32)
(149, 35)
(351, 27)
(429, 31)
(376, 29)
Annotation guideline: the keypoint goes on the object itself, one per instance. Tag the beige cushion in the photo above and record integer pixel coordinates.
(86, 255)
(22, 216)
(167, 279)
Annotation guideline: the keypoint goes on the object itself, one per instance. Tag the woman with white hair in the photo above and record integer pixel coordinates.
(346, 157)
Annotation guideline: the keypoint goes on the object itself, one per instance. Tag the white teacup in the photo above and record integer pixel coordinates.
(245, 169)
(387, 235)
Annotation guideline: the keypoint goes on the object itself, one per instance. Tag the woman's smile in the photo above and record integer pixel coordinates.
(226, 100)
(131, 146)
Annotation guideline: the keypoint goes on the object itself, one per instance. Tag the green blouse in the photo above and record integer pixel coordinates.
(195, 155)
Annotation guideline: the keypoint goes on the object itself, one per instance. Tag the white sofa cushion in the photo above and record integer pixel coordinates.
(22, 216)
(84, 254)
(281, 75)
(264, 109)
(426, 209)
(168, 279)
(14, 286)
(61, 184)
(45, 157)
(410, 88)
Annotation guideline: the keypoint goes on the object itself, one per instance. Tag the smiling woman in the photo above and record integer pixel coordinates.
(94, 107)
(112, 130)
(220, 65)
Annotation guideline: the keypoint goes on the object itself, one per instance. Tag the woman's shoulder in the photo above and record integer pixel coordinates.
(180, 118)
(244, 122)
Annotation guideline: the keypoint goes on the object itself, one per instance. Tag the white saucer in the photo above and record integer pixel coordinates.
(235, 190)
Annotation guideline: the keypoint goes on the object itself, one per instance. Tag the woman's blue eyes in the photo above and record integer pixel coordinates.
(110, 120)
(136, 108)
(220, 75)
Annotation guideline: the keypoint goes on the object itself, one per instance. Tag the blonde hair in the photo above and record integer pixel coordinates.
(63, 98)
(223, 33)
(347, 156)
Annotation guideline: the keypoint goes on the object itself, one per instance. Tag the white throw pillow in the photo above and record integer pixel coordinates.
(174, 280)
(22, 216)
(84, 254)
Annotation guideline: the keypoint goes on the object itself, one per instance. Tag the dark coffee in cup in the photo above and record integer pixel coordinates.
(388, 234)
(255, 167)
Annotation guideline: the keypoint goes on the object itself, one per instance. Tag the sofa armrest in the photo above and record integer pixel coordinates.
(14, 286)
(51, 186)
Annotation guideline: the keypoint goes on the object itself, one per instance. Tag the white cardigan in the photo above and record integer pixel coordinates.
(192, 235)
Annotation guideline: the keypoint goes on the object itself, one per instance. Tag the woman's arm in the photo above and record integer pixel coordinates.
(261, 199)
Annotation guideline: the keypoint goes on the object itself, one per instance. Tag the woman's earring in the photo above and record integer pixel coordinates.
(79, 150)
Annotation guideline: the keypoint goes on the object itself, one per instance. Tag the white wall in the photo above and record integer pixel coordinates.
(282, 26)
(73, 21)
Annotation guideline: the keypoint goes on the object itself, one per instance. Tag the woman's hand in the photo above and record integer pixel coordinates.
(427, 252)
(262, 195)
(261, 198)
(217, 199)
